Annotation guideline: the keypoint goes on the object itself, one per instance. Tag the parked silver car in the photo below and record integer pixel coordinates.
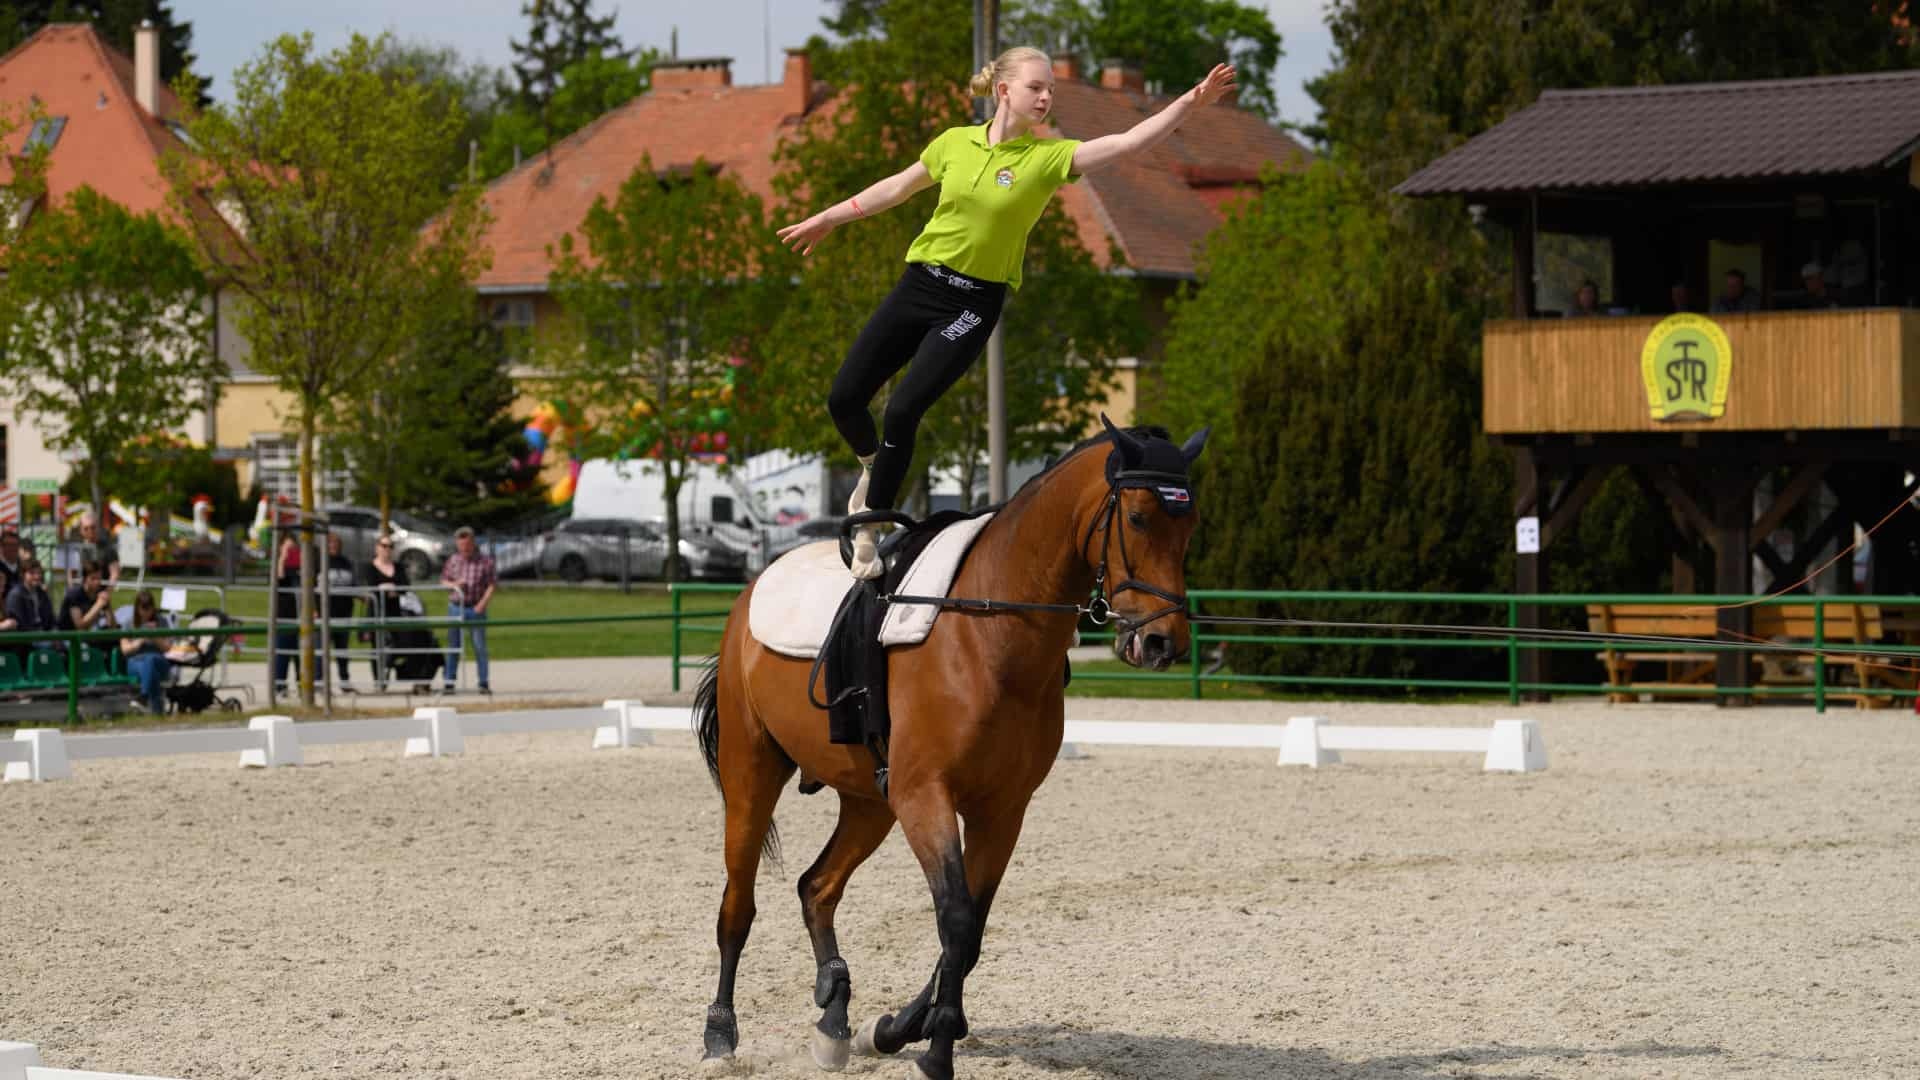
(419, 545)
(580, 548)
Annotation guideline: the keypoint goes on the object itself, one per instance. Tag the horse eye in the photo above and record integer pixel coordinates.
(1136, 519)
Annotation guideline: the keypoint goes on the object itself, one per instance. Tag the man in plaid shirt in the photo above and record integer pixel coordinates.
(470, 575)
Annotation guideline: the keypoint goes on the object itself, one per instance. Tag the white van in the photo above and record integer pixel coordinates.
(712, 502)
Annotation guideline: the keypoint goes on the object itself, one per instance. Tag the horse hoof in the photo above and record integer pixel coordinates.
(829, 1053)
(915, 1072)
(717, 1066)
(863, 1040)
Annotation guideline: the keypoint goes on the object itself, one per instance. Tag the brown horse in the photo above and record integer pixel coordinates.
(978, 710)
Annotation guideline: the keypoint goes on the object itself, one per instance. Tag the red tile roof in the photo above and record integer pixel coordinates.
(1157, 208)
(109, 141)
(1647, 136)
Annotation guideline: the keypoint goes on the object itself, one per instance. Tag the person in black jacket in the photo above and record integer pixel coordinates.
(30, 608)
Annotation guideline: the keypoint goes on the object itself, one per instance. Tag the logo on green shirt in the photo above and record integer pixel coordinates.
(1004, 178)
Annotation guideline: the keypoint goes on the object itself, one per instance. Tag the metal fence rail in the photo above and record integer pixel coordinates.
(1505, 610)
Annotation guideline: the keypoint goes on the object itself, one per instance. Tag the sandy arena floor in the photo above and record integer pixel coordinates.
(1684, 893)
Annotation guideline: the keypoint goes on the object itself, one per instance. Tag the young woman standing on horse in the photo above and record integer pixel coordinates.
(995, 179)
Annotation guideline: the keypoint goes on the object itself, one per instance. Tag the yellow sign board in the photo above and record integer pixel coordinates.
(1686, 364)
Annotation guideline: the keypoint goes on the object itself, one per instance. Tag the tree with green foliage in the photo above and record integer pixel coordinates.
(1176, 42)
(905, 66)
(434, 431)
(665, 293)
(560, 33)
(310, 198)
(589, 88)
(106, 328)
(471, 88)
(116, 21)
(1352, 456)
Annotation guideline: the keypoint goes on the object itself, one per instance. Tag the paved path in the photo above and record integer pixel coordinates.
(591, 680)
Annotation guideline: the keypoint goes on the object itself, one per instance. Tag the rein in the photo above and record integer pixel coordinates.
(1100, 609)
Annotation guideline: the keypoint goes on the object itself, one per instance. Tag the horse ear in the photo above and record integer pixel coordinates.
(1130, 447)
(1195, 443)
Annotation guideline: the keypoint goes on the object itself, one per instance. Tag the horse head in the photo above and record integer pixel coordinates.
(1136, 543)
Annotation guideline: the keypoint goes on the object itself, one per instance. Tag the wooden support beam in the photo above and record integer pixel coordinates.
(1683, 503)
(1804, 483)
(1568, 509)
(1733, 573)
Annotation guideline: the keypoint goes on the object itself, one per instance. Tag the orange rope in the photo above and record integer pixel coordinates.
(1815, 572)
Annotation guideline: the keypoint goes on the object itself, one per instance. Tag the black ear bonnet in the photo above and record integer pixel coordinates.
(1146, 458)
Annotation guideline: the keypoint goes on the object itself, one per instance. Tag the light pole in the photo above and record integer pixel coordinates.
(986, 17)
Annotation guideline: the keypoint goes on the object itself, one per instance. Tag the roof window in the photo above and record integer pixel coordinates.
(46, 132)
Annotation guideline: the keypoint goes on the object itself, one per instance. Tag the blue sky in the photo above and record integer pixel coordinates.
(226, 33)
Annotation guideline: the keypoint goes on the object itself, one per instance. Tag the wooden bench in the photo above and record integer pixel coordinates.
(1845, 623)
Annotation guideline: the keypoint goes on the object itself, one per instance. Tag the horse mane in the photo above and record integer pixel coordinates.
(1102, 438)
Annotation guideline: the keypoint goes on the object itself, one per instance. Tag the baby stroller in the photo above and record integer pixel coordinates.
(413, 653)
(195, 654)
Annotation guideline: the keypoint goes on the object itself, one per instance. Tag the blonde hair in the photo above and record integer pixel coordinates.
(984, 80)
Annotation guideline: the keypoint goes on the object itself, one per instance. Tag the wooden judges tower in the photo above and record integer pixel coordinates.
(1768, 431)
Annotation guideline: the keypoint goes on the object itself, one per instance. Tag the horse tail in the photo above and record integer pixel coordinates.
(706, 725)
(706, 712)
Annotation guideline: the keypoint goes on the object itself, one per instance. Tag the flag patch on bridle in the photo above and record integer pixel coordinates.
(1175, 495)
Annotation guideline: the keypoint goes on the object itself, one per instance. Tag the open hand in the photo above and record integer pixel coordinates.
(803, 236)
(1215, 85)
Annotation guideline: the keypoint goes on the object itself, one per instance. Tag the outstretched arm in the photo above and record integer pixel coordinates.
(1143, 136)
(884, 195)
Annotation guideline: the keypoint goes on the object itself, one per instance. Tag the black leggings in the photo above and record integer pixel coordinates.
(940, 321)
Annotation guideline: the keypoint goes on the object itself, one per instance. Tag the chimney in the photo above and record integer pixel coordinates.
(796, 85)
(1119, 75)
(146, 67)
(1066, 67)
(710, 73)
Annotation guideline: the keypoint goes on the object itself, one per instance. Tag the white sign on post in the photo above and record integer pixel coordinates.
(133, 548)
(1526, 536)
(173, 599)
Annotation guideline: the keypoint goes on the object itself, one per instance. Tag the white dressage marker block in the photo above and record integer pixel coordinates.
(622, 732)
(443, 734)
(1300, 743)
(1516, 746)
(1509, 745)
(35, 1073)
(283, 746)
(15, 1057)
(45, 757)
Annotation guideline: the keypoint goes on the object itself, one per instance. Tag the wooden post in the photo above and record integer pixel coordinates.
(1523, 263)
(1530, 571)
(1733, 576)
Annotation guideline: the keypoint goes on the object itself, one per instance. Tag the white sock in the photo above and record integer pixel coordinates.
(858, 503)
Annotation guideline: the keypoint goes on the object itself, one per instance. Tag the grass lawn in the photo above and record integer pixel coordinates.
(531, 601)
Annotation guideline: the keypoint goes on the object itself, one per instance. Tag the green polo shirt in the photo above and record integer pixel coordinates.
(990, 196)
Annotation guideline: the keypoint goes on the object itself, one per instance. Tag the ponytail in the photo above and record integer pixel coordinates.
(990, 76)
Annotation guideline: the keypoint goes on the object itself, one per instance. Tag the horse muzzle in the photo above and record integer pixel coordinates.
(1144, 648)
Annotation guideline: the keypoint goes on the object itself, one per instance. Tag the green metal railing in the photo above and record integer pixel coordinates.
(706, 623)
(1504, 607)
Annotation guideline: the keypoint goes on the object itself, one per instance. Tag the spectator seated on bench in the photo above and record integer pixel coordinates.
(146, 657)
(30, 609)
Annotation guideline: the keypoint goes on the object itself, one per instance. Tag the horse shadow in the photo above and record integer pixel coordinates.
(1127, 1056)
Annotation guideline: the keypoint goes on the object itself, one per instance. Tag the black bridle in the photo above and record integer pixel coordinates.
(1103, 596)
(1100, 609)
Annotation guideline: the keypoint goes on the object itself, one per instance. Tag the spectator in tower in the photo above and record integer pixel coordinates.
(1736, 298)
(1814, 277)
(1586, 301)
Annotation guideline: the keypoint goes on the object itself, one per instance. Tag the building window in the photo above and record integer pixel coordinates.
(513, 313)
(6, 477)
(46, 132)
(276, 468)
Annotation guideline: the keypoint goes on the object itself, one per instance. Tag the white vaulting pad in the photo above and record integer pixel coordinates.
(931, 574)
(795, 599)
